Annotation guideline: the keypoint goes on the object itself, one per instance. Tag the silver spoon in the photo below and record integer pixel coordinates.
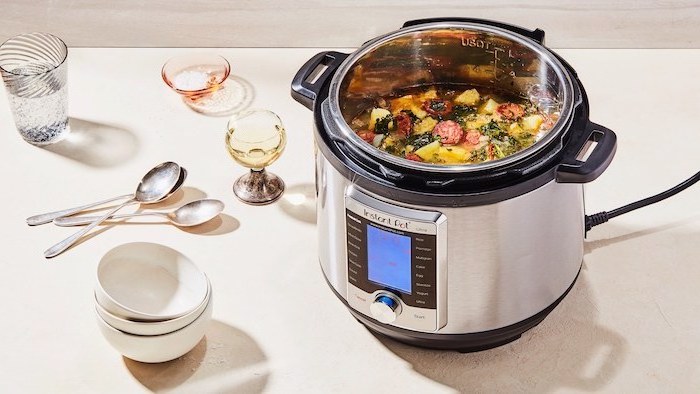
(48, 217)
(154, 186)
(190, 214)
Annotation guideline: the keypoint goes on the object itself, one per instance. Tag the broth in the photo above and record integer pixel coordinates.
(452, 124)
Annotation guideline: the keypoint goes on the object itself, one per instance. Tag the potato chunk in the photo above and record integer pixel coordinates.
(428, 95)
(532, 122)
(388, 142)
(407, 103)
(452, 154)
(468, 97)
(515, 129)
(479, 121)
(428, 152)
(489, 107)
(425, 125)
(376, 114)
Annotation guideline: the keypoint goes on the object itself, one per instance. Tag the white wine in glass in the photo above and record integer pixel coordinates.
(255, 139)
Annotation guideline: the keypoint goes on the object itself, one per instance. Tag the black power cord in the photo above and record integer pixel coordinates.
(602, 217)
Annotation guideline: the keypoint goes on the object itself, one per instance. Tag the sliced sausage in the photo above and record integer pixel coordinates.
(438, 107)
(472, 136)
(413, 156)
(450, 132)
(403, 124)
(366, 135)
(510, 111)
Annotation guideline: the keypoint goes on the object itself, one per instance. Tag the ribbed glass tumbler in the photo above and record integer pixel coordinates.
(33, 68)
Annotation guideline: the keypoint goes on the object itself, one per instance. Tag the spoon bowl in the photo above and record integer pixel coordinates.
(188, 215)
(196, 212)
(158, 183)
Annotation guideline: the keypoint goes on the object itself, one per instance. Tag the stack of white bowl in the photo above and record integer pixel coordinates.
(153, 304)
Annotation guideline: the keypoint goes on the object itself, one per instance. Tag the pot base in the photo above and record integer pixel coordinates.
(463, 343)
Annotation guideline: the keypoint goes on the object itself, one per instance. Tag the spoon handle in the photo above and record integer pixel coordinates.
(48, 217)
(80, 220)
(66, 243)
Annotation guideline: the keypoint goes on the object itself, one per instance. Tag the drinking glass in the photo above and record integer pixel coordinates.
(255, 139)
(33, 68)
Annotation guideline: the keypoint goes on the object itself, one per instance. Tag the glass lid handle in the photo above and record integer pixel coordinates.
(312, 76)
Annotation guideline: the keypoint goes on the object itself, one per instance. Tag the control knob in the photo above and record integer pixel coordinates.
(385, 308)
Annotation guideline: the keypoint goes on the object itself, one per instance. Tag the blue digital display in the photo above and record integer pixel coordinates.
(389, 259)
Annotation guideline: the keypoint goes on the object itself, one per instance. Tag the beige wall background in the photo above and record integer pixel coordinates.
(341, 23)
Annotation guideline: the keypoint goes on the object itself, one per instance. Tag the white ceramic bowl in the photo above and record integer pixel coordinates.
(152, 327)
(157, 348)
(146, 281)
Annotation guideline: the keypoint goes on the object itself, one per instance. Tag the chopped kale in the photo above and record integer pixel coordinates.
(479, 155)
(461, 111)
(394, 149)
(493, 130)
(463, 114)
(382, 125)
(438, 106)
(421, 140)
(505, 145)
(525, 139)
(410, 113)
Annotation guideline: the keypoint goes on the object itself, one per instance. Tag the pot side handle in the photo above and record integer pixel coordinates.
(537, 34)
(311, 77)
(586, 161)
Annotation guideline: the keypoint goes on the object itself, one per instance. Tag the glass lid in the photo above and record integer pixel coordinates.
(449, 97)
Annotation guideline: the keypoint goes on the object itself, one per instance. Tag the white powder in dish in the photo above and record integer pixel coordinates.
(191, 80)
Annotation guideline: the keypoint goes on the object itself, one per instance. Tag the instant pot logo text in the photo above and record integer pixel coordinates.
(375, 217)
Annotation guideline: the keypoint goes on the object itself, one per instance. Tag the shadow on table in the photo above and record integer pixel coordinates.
(245, 96)
(88, 236)
(626, 234)
(235, 95)
(181, 197)
(222, 224)
(227, 360)
(96, 144)
(299, 202)
(567, 350)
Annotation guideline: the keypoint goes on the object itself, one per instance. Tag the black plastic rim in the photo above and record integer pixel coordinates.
(451, 190)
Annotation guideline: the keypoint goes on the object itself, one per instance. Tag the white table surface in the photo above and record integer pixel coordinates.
(631, 323)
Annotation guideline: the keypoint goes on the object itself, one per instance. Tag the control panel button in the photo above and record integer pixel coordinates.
(385, 308)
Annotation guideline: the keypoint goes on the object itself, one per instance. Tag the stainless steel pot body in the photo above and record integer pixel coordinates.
(503, 262)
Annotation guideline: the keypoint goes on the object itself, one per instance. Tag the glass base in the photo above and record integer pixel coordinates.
(258, 187)
(46, 135)
(233, 95)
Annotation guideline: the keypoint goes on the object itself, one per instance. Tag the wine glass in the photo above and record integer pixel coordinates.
(203, 82)
(255, 139)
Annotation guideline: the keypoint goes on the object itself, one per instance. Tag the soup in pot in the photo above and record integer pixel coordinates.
(452, 124)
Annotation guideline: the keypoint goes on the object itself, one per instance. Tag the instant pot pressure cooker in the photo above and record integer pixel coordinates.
(494, 246)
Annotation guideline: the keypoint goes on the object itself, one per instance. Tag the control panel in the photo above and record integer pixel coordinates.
(396, 264)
